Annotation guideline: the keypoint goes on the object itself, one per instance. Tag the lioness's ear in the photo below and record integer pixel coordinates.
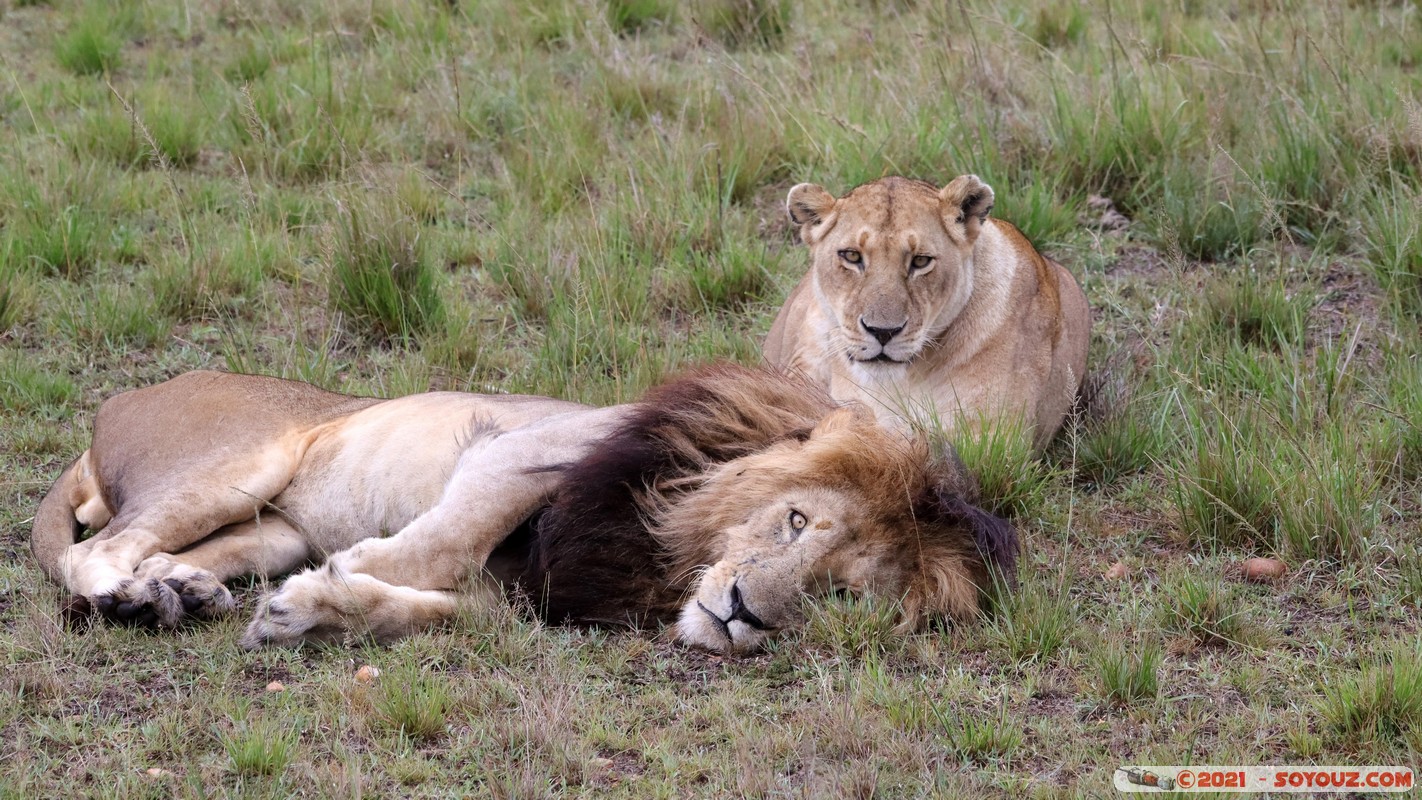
(808, 205)
(965, 204)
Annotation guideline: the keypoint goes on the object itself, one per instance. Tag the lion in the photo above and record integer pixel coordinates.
(921, 306)
(715, 504)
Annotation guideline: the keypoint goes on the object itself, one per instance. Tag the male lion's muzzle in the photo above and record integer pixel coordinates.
(725, 622)
(739, 613)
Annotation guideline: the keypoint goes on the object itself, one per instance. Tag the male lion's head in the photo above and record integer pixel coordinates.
(852, 508)
(892, 261)
(732, 494)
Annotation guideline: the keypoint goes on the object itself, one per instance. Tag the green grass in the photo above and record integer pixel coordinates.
(1203, 610)
(92, 46)
(1129, 674)
(581, 198)
(1032, 624)
(381, 274)
(413, 703)
(1381, 701)
(1011, 478)
(260, 747)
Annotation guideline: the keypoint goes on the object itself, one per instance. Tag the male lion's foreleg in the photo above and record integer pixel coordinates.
(325, 604)
(264, 547)
(495, 487)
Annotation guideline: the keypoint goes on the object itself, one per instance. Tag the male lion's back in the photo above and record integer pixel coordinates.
(176, 429)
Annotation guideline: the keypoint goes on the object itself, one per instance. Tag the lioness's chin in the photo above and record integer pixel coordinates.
(697, 628)
(883, 359)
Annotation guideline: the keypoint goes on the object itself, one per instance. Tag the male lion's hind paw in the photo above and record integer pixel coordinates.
(202, 596)
(150, 603)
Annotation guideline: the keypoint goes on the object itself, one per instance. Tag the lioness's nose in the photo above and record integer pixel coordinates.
(882, 334)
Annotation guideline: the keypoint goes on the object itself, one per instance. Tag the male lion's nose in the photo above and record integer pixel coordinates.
(740, 612)
(882, 334)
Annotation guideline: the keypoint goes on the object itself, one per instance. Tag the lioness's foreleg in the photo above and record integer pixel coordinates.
(265, 547)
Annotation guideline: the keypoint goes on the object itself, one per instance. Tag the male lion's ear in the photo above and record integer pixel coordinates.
(808, 205)
(965, 204)
(843, 418)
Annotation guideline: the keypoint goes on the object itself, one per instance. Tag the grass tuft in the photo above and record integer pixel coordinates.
(1129, 674)
(1222, 491)
(632, 16)
(1032, 624)
(979, 737)
(744, 23)
(259, 747)
(1012, 479)
(91, 46)
(1382, 702)
(852, 626)
(413, 703)
(1202, 609)
(25, 387)
(1254, 313)
(380, 274)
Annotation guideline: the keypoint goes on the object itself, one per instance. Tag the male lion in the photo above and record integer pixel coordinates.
(921, 306)
(717, 501)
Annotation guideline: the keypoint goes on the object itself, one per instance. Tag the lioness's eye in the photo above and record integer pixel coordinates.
(797, 521)
(921, 262)
(852, 256)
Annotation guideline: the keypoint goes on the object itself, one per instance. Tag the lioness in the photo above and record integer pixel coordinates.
(920, 305)
(716, 501)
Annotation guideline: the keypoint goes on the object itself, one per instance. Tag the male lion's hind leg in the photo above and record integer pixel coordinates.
(264, 547)
(326, 604)
(103, 569)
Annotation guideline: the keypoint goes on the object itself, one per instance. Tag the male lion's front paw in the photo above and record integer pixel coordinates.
(150, 603)
(303, 610)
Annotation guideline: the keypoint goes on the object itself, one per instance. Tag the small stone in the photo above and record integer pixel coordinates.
(1117, 571)
(1264, 570)
(155, 772)
(367, 674)
(276, 686)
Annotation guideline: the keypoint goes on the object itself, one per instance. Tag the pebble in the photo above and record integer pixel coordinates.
(155, 772)
(367, 674)
(1264, 570)
(276, 686)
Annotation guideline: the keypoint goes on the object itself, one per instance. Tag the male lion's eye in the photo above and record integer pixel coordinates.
(798, 521)
(852, 256)
(921, 262)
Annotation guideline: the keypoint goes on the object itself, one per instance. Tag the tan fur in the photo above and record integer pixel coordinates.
(210, 476)
(991, 331)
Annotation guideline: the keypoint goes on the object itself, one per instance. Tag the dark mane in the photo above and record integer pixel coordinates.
(593, 558)
(632, 523)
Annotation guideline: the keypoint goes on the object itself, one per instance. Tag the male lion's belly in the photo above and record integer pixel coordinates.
(383, 467)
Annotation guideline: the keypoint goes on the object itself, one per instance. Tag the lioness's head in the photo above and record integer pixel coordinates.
(853, 508)
(892, 261)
